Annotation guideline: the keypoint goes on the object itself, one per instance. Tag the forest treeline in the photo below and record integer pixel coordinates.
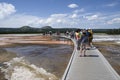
(45, 29)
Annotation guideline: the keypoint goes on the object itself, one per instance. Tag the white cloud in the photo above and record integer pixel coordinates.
(72, 5)
(58, 15)
(6, 9)
(111, 4)
(74, 19)
(59, 21)
(54, 19)
(74, 16)
(49, 20)
(92, 17)
(18, 20)
(79, 10)
(114, 21)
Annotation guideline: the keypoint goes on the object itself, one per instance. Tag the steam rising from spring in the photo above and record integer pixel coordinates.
(19, 69)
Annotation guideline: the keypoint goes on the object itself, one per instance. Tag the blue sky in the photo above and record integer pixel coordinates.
(60, 13)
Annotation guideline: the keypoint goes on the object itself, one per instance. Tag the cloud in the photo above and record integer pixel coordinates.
(111, 4)
(78, 18)
(114, 21)
(18, 20)
(62, 20)
(58, 15)
(6, 10)
(74, 16)
(72, 5)
(79, 10)
(92, 17)
(54, 19)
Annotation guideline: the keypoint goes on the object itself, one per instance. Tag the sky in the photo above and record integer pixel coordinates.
(94, 14)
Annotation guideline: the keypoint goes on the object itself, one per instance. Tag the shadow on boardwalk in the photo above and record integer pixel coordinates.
(91, 56)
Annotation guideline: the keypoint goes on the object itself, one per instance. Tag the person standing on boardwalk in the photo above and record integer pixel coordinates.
(90, 37)
(67, 33)
(78, 38)
(84, 43)
(72, 34)
(88, 34)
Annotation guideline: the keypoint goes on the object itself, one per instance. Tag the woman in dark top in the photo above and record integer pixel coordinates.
(84, 43)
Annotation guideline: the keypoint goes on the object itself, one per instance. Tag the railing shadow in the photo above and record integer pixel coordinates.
(91, 56)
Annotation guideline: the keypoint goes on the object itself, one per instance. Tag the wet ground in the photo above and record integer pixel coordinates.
(53, 58)
(111, 51)
(47, 53)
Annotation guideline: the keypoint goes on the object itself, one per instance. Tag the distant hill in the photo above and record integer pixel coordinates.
(46, 27)
(25, 27)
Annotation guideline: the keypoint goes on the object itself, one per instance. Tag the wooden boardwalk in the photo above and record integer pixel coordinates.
(92, 67)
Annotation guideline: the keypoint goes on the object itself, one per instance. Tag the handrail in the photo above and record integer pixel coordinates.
(71, 59)
(110, 68)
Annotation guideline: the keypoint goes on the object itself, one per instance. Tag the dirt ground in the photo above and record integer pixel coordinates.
(33, 39)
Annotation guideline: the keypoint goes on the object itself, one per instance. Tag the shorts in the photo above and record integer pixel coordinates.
(83, 46)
